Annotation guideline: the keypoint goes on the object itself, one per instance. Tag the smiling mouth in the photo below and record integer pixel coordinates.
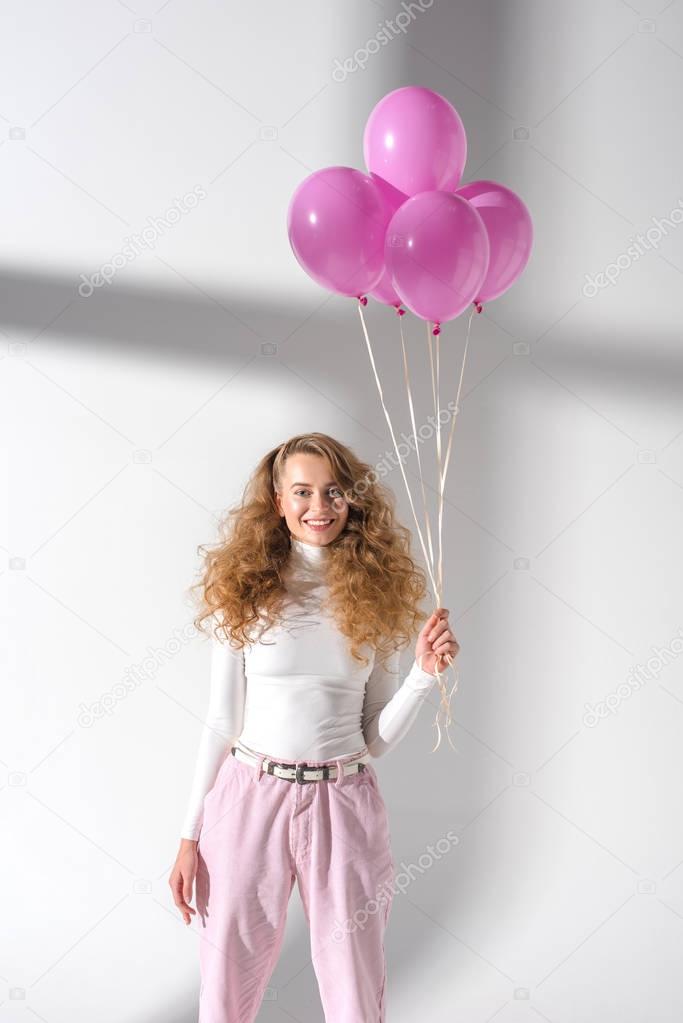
(318, 523)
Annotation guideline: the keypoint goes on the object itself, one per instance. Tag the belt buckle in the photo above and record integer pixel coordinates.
(299, 774)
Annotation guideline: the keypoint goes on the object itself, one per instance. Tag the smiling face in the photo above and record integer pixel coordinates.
(311, 502)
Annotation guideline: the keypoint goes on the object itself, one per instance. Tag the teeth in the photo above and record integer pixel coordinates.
(318, 522)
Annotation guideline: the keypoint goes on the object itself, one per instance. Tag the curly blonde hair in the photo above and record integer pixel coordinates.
(374, 587)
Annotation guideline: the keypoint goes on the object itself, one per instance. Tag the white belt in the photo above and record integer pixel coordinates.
(300, 773)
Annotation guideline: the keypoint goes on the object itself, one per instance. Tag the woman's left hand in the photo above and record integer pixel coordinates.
(436, 642)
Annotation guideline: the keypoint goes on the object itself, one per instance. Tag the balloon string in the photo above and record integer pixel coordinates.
(457, 397)
(445, 702)
(437, 416)
(434, 363)
(437, 586)
(406, 376)
(428, 560)
(393, 437)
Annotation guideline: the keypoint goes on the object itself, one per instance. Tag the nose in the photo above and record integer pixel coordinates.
(320, 510)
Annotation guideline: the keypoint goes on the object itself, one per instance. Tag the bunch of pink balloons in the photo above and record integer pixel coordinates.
(408, 234)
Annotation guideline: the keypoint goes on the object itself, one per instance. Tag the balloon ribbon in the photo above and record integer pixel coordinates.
(434, 565)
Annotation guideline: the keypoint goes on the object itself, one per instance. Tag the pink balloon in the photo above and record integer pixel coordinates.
(337, 221)
(384, 291)
(437, 253)
(510, 230)
(415, 140)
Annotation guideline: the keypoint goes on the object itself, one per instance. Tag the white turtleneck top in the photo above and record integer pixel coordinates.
(296, 693)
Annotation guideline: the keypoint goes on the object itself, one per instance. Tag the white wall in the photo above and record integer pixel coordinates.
(134, 415)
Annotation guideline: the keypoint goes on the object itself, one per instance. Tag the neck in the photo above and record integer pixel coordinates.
(312, 554)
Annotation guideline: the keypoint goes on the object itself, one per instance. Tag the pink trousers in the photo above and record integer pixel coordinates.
(259, 834)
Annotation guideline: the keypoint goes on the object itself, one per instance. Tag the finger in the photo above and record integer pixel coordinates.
(440, 627)
(446, 646)
(186, 911)
(180, 902)
(428, 625)
(176, 888)
(187, 893)
(446, 637)
(175, 882)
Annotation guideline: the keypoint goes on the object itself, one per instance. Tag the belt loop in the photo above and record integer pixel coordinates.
(259, 766)
(340, 772)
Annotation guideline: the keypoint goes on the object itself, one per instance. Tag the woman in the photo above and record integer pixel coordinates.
(310, 595)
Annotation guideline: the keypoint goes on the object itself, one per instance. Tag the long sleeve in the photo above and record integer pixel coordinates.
(388, 711)
(223, 724)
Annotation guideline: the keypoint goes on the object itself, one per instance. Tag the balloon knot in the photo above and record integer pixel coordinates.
(399, 311)
(362, 299)
(437, 329)
(478, 306)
